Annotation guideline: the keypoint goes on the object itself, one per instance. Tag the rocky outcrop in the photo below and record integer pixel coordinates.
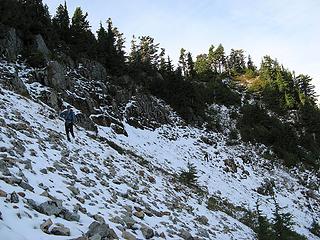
(85, 122)
(56, 76)
(19, 86)
(40, 46)
(92, 70)
(51, 98)
(147, 111)
(10, 43)
(13, 82)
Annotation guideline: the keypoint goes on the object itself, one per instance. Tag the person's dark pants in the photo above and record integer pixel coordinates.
(69, 129)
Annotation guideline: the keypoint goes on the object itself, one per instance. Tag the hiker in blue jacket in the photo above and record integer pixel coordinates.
(69, 118)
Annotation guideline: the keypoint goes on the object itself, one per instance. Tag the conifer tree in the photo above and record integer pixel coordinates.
(82, 39)
(250, 64)
(36, 19)
(236, 62)
(190, 73)
(61, 22)
(202, 67)
(220, 59)
(264, 227)
(182, 61)
(189, 176)
(306, 89)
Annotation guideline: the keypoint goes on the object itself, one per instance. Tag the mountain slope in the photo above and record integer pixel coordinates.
(130, 182)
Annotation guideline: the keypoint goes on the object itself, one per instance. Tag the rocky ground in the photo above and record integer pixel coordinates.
(118, 180)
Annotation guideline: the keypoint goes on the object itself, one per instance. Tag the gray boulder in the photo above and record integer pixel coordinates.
(147, 232)
(10, 44)
(70, 216)
(50, 208)
(51, 98)
(147, 111)
(41, 47)
(60, 230)
(14, 198)
(56, 76)
(93, 70)
(101, 229)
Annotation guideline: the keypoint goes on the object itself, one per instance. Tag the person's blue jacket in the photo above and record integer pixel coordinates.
(68, 116)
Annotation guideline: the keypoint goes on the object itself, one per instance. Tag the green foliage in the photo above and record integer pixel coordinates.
(236, 62)
(256, 125)
(61, 23)
(30, 17)
(202, 67)
(83, 41)
(220, 93)
(315, 228)
(282, 225)
(278, 228)
(110, 45)
(189, 177)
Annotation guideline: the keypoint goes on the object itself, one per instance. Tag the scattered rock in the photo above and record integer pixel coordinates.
(101, 229)
(231, 166)
(60, 230)
(185, 234)
(85, 169)
(147, 232)
(40, 46)
(117, 219)
(3, 193)
(202, 219)
(99, 218)
(46, 225)
(74, 190)
(10, 43)
(151, 179)
(139, 214)
(129, 221)
(44, 171)
(14, 198)
(128, 236)
(50, 208)
(21, 194)
(70, 216)
(26, 186)
(56, 76)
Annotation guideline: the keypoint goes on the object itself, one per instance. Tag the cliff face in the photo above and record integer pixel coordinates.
(119, 178)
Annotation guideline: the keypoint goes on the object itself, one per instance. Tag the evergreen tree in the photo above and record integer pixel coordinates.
(236, 62)
(211, 59)
(134, 56)
(306, 89)
(282, 225)
(264, 227)
(61, 22)
(202, 67)
(11, 13)
(220, 59)
(190, 73)
(250, 64)
(189, 176)
(145, 54)
(82, 39)
(182, 61)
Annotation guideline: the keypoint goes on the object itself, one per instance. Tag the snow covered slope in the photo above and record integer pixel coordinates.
(130, 182)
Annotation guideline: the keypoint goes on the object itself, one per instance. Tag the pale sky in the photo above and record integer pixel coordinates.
(284, 29)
